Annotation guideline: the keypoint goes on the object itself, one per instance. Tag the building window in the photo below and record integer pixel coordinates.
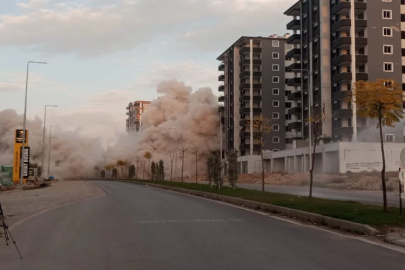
(288, 117)
(402, 17)
(387, 14)
(276, 103)
(387, 32)
(276, 127)
(276, 79)
(288, 104)
(276, 55)
(287, 92)
(276, 139)
(276, 91)
(275, 67)
(276, 43)
(276, 115)
(388, 66)
(387, 49)
(389, 138)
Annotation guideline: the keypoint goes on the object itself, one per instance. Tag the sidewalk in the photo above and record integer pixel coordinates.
(396, 238)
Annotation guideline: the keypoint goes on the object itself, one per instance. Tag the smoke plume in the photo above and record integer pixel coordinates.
(178, 118)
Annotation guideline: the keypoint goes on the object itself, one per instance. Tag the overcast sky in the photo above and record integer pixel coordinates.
(102, 54)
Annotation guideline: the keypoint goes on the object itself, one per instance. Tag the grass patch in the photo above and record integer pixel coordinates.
(347, 210)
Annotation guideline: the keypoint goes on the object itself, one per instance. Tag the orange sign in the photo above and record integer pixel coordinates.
(17, 153)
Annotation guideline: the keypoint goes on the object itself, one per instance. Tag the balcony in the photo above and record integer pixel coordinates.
(294, 53)
(294, 39)
(347, 77)
(294, 96)
(245, 98)
(295, 110)
(293, 82)
(343, 8)
(247, 110)
(243, 123)
(342, 113)
(346, 59)
(293, 67)
(221, 109)
(294, 10)
(221, 99)
(341, 95)
(221, 67)
(345, 24)
(345, 42)
(294, 25)
(247, 50)
(295, 125)
(247, 146)
(247, 74)
(221, 88)
(221, 78)
(348, 130)
(127, 113)
(247, 62)
(246, 86)
(243, 134)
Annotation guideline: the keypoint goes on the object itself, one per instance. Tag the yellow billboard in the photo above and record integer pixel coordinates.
(18, 138)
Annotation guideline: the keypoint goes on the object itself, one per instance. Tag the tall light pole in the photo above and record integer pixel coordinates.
(50, 146)
(43, 140)
(175, 161)
(25, 119)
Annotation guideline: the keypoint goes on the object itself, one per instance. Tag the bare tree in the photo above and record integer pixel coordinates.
(171, 156)
(232, 172)
(194, 150)
(261, 126)
(182, 150)
(317, 120)
(148, 156)
(136, 172)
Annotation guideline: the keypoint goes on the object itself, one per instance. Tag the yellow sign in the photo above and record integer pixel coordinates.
(17, 153)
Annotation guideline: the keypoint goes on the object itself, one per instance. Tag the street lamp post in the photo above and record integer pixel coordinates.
(50, 146)
(25, 119)
(43, 140)
(175, 161)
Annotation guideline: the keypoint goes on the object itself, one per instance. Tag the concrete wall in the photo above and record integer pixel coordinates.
(329, 158)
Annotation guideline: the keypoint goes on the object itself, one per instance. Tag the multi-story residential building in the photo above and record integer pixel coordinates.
(254, 85)
(134, 112)
(338, 45)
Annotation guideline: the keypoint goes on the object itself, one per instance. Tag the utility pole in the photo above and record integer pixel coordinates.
(43, 141)
(49, 150)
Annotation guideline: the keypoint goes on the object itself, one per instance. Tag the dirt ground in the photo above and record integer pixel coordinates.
(18, 202)
(349, 181)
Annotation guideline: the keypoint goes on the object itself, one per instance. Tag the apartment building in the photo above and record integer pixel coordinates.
(134, 113)
(253, 76)
(336, 45)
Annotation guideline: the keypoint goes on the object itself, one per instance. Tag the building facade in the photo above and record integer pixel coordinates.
(337, 45)
(253, 76)
(134, 115)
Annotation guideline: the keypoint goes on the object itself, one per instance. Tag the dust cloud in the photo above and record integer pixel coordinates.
(178, 118)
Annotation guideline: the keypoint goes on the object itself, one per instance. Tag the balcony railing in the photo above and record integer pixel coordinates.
(294, 96)
(247, 74)
(295, 110)
(247, 98)
(294, 25)
(347, 58)
(247, 50)
(293, 82)
(247, 62)
(344, 7)
(346, 76)
(221, 88)
(221, 99)
(294, 39)
(247, 110)
(246, 86)
(221, 77)
(294, 53)
(346, 42)
(221, 67)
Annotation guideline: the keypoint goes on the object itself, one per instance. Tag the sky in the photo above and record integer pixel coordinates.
(103, 54)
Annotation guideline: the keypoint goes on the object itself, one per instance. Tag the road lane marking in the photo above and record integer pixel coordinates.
(189, 221)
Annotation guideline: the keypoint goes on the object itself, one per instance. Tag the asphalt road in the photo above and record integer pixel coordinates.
(366, 196)
(136, 227)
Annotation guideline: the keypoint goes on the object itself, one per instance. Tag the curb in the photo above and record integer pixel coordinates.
(333, 223)
(396, 239)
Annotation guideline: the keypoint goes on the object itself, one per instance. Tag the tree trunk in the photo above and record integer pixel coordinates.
(171, 170)
(182, 167)
(311, 171)
(136, 173)
(196, 172)
(384, 187)
(261, 156)
(149, 170)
